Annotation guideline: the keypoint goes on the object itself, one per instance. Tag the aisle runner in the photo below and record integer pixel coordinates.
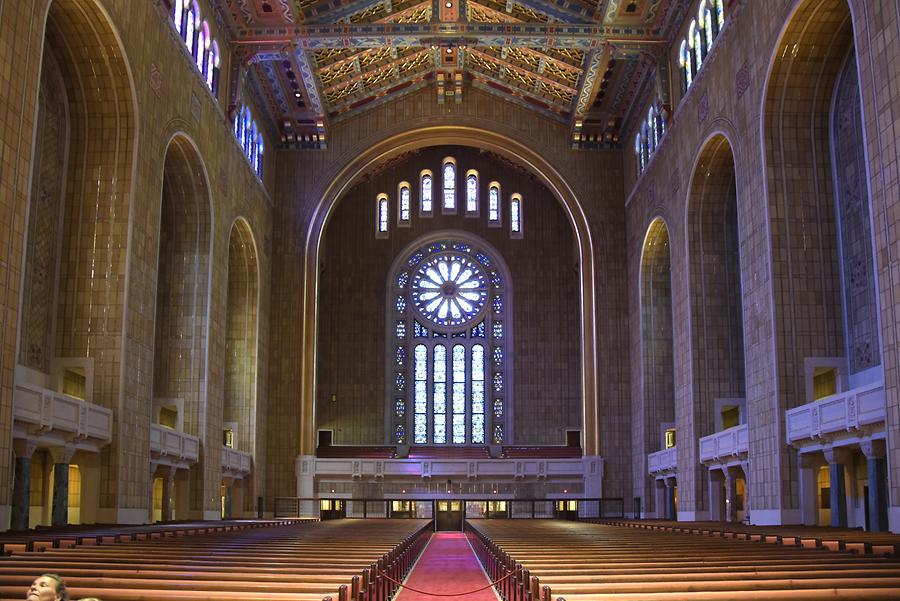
(448, 565)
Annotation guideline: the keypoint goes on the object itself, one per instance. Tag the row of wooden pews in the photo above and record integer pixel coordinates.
(835, 539)
(290, 562)
(579, 561)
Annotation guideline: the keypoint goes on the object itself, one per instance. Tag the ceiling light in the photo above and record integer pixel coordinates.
(448, 4)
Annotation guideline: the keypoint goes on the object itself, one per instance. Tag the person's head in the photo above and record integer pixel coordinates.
(47, 587)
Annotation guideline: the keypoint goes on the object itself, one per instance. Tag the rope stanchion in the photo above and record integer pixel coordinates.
(478, 590)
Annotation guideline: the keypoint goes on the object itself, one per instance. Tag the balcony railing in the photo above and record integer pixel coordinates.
(833, 417)
(53, 418)
(662, 461)
(170, 447)
(235, 464)
(730, 443)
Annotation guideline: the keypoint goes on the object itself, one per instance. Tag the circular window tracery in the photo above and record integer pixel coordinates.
(449, 289)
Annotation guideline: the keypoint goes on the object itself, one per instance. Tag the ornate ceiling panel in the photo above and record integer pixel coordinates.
(316, 62)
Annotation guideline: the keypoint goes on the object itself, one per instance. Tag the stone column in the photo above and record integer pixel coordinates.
(809, 488)
(730, 495)
(61, 456)
(671, 509)
(745, 466)
(21, 501)
(875, 453)
(837, 459)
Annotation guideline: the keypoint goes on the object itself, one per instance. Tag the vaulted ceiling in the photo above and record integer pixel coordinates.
(312, 63)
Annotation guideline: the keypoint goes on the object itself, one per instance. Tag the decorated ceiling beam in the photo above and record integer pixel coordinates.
(335, 10)
(372, 35)
(568, 11)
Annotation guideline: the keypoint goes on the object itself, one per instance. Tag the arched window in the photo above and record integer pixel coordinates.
(212, 67)
(426, 208)
(178, 16)
(449, 178)
(472, 193)
(381, 216)
(720, 13)
(706, 18)
(515, 216)
(639, 151)
(685, 61)
(651, 124)
(696, 46)
(202, 45)
(447, 303)
(189, 30)
(403, 205)
(250, 139)
(259, 155)
(494, 205)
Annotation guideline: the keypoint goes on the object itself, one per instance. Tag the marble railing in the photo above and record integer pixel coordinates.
(733, 442)
(235, 464)
(855, 412)
(662, 461)
(51, 418)
(170, 447)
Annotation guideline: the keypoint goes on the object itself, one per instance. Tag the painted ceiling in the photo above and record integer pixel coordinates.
(313, 63)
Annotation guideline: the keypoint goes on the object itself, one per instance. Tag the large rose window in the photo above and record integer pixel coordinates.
(449, 289)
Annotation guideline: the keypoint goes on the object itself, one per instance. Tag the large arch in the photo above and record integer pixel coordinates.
(462, 136)
(180, 365)
(657, 369)
(717, 383)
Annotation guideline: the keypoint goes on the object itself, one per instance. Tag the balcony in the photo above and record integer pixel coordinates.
(841, 418)
(173, 448)
(727, 446)
(663, 462)
(235, 464)
(51, 418)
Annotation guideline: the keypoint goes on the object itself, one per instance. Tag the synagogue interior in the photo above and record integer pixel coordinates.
(504, 299)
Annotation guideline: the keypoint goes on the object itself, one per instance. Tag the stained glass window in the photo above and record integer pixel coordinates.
(498, 408)
(449, 186)
(697, 45)
(494, 205)
(449, 295)
(404, 206)
(477, 394)
(190, 31)
(440, 394)
(179, 16)
(400, 434)
(684, 59)
(708, 28)
(515, 216)
(382, 215)
(472, 194)
(449, 289)
(498, 434)
(720, 13)
(212, 67)
(427, 199)
(202, 40)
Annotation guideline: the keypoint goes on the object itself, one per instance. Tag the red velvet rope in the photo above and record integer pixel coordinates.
(478, 590)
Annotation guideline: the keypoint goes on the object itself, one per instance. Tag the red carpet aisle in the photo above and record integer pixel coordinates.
(448, 566)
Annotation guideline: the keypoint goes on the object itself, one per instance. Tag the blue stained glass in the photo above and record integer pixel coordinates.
(438, 335)
(421, 428)
(400, 434)
(420, 331)
(477, 397)
(498, 382)
(477, 429)
(462, 247)
(421, 397)
(496, 281)
(459, 429)
(426, 194)
(402, 279)
(497, 304)
(498, 356)
(421, 368)
(440, 429)
(400, 382)
(478, 331)
(497, 329)
(437, 247)
(498, 434)
(483, 259)
(401, 356)
(471, 194)
(401, 329)
(414, 260)
(400, 407)
(404, 204)
(449, 186)
(440, 363)
(477, 362)
(459, 398)
(458, 334)
(498, 408)
(401, 304)
(449, 289)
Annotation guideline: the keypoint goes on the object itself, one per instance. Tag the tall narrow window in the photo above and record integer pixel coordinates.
(707, 27)
(381, 216)
(477, 394)
(449, 174)
(190, 30)
(420, 395)
(259, 156)
(440, 394)
(515, 216)
(179, 17)
(451, 295)
(427, 203)
(494, 205)
(697, 44)
(403, 205)
(685, 58)
(720, 13)
(202, 45)
(471, 194)
(212, 67)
